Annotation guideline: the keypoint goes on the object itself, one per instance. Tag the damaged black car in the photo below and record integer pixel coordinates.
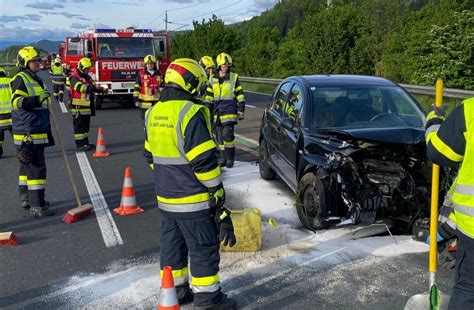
(352, 148)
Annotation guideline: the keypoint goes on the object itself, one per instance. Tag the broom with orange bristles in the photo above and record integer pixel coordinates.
(81, 210)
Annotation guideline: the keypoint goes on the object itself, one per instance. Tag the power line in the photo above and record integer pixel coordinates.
(220, 9)
(175, 9)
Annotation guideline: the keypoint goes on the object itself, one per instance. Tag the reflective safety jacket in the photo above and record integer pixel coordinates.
(5, 103)
(147, 88)
(447, 215)
(225, 96)
(57, 74)
(81, 99)
(29, 115)
(180, 145)
(450, 144)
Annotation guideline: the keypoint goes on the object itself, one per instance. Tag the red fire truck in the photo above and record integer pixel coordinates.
(117, 55)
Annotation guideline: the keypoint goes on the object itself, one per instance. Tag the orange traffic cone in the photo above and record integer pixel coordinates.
(100, 146)
(168, 297)
(128, 203)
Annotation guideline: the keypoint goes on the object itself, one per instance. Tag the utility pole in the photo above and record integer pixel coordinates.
(166, 20)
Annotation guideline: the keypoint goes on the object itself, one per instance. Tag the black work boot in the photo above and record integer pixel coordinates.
(226, 304)
(230, 155)
(42, 211)
(221, 159)
(185, 295)
(1, 151)
(25, 201)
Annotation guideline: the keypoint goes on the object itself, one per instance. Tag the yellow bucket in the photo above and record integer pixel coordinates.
(247, 229)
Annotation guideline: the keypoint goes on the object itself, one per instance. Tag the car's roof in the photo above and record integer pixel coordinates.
(344, 80)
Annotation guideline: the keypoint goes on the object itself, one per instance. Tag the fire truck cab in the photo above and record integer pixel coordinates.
(117, 55)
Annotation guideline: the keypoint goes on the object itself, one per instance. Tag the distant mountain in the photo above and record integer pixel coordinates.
(5, 44)
(46, 45)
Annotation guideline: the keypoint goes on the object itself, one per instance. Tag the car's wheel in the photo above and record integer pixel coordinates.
(98, 103)
(311, 196)
(266, 172)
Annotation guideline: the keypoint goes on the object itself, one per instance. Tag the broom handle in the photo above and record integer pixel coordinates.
(66, 160)
(435, 200)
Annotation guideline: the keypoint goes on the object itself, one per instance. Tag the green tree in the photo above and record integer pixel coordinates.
(258, 52)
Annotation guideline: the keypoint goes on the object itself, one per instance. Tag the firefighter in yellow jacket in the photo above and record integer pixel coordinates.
(82, 93)
(189, 187)
(225, 96)
(147, 85)
(5, 107)
(450, 142)
(31, 130)
(58, 78)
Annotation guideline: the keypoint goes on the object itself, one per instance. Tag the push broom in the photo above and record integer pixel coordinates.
(81, 210)
(434, 299)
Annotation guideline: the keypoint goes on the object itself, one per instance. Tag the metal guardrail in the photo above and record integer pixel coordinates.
(414, 89)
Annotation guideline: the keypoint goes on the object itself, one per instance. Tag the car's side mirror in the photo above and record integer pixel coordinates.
(287, 123)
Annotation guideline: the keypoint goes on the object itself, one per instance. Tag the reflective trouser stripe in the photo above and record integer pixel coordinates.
(180, 276)
(36, 184)
(81, 111)
(205, 284)
(80, 136)
(182, 208)
(230, 144)
(22, 180)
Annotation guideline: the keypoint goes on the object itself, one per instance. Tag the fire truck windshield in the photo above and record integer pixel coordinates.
(113, 48)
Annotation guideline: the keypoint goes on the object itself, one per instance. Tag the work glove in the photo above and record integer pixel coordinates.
(225, 227)
(440, 111)
(446, 258)
(439, 238)
(25, 155)
(44, 96)
(217, 197)
(240, 116)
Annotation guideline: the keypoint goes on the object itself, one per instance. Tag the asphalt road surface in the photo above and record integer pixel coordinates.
(53, 253)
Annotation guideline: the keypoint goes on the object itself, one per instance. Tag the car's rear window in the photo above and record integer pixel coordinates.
(365, 107)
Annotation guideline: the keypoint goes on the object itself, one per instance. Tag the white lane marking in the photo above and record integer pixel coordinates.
(255, 92)
(250, 106)
(109, 230)
(63, 107)
(240, 173)
(323, 256)
(251, 141)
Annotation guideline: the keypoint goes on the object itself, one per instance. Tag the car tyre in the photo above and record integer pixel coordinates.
(266, 172)
(310, 198)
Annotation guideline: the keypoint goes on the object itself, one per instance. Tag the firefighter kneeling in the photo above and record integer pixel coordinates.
(82, 101)
(189, 188)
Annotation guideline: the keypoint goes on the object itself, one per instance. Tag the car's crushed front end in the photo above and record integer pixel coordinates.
(368, 175)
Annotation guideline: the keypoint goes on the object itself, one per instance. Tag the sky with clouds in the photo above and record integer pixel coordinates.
(30, 21)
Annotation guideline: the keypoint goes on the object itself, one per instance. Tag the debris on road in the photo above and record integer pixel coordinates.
(8, 238)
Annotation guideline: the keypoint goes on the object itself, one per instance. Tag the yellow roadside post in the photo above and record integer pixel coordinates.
(434, 299)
